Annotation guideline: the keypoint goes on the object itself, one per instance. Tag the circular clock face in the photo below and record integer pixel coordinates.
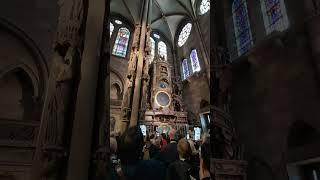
(163, 99)
(163, 84)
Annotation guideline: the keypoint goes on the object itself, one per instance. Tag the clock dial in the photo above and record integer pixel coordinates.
(163, 99)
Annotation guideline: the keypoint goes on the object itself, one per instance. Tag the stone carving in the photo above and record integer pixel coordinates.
(66, 58)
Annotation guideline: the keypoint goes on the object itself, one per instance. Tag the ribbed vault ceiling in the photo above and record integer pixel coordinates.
(166, 15)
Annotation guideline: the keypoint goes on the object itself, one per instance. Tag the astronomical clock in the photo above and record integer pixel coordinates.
(162, 113)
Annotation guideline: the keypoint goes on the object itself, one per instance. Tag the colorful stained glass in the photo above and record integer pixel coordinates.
(162, 50)
(185, 69)
(184, 34)
(204, 6)
(194, 61)
(121, 45)
(241, 26)
(274, 15)
(152, 46)
(111, 28)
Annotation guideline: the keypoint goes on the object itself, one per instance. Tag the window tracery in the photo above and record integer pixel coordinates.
(274, 15)
(185, 69)
(204, 6)
(121, 43)
(241, 26)
(194, 61)
(184, 34)
(153, 46)
(162, 49)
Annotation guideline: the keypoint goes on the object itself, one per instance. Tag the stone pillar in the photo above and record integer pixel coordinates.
(128, 89)
(312, 14)
(137, 88)
(80, 150)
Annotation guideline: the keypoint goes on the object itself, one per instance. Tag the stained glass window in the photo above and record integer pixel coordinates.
(185, 69)
(194, 61)
(162, 49)
(184, 34)
(152, 46)
(111, 28)
(204, 6)
(241, 26)
(121, 45)
(274, 15)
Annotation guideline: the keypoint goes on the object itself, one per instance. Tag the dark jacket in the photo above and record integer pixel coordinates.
(145, 170)
(179, 170)
(169, 153)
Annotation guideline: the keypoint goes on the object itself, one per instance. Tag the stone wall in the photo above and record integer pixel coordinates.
(195, 88)
(274, 88)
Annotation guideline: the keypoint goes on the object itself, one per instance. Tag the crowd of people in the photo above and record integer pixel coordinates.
(166, 157)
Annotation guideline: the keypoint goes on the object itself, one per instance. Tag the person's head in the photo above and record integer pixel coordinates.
(183, 148)
(131, 145)
(172, 134)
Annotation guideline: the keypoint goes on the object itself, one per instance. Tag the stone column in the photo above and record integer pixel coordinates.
(80, 150)
(137, 88)
(128, 89)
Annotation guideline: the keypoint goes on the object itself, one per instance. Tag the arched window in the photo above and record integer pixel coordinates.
(204, 6)
(274, 15)
(194, 61)
(162, 49)
(111, 28)
(184, 34)
(152, 46)
(185, 69)
(121, 45)
(241, 26)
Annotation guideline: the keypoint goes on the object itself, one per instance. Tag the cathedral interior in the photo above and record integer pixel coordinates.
(76, 73)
